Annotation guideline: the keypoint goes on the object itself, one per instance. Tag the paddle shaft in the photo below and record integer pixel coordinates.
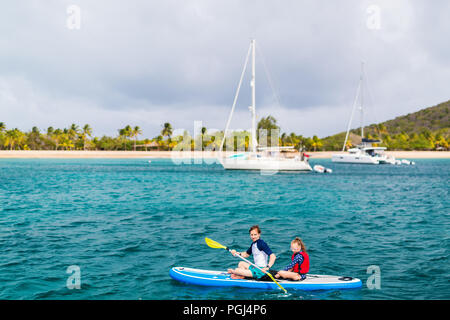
(215, 245)
(238, 255)
(267, 273)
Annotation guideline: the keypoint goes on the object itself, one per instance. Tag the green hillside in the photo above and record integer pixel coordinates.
(426, 129)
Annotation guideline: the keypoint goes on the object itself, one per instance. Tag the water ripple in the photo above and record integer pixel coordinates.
(125, 224)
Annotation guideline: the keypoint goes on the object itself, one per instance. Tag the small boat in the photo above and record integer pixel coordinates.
(223, 279)
(321, 169)
(389, 160)
(407, 162)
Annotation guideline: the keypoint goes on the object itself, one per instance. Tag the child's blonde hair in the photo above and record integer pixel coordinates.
(299, 242)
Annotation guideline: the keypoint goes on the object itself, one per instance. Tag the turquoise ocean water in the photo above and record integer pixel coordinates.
(125, 223)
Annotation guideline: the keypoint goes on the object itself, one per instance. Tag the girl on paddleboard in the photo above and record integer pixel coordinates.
(299, 266)
(264, 257)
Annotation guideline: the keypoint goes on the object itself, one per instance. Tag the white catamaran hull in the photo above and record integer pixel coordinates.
(351, 158)
(266, 164)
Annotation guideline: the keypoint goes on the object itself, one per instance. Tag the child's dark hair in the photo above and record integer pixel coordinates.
(255, 227)
(299, 241)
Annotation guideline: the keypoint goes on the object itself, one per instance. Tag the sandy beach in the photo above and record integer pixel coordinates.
(31, 154)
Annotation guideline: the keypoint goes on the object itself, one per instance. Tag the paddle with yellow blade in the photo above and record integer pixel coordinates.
(216, 245)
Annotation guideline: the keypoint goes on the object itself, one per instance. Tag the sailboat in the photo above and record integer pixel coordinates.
(260, 157)
(364, 153)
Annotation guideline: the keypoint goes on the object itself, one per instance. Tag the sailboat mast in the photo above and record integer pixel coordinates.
(362, 100)
(252, 108)
(235, 98)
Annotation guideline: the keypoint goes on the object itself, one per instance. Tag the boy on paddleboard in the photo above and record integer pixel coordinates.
(299, 266)
(264, 257)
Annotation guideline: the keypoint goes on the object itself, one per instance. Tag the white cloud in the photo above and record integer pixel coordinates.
(146, 62)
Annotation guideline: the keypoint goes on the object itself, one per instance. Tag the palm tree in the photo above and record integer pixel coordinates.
(10, 139)
(283, 139)
(13, 137)
(203, 135)
(159, 140)
(215, 141)
(21, 139)
(73, 132)
(125, 133)
(34, 139)
(317, 143)
(146, 143)
(128, 130)
(66, 142)
(167, 131)
(87, 132)
(134, 133)
(268, 124)
(293, 139)
(57, 137)
(2, 129)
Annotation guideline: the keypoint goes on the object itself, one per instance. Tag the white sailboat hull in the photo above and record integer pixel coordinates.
(266, 164)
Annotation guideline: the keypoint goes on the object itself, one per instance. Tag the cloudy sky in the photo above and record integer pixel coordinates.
(148, 62)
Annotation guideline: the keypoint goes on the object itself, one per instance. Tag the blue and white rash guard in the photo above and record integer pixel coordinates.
(261, 253)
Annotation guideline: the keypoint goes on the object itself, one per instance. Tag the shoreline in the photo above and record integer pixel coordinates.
(62, 154)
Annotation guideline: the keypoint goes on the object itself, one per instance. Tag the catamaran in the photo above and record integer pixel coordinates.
(274, 158)
(365, 152)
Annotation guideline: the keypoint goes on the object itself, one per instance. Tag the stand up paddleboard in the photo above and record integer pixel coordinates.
(223, 279)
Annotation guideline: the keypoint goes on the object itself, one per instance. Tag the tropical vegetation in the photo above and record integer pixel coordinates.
(427, 129)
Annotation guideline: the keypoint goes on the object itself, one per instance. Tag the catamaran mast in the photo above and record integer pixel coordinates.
(359, 94)
(252, 107)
